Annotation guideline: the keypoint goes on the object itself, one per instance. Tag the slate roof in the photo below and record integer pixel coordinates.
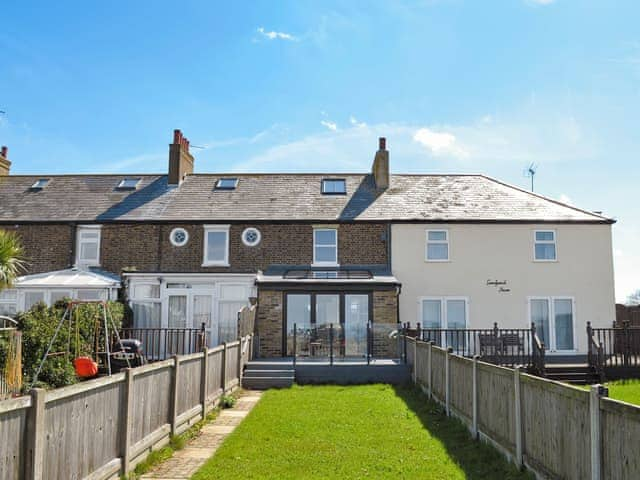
(278, 197)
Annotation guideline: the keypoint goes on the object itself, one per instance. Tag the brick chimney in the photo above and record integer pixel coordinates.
(380, 169)
(180, 160)
(5, 164)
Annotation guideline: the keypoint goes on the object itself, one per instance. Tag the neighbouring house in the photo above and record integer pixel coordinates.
(313, 250)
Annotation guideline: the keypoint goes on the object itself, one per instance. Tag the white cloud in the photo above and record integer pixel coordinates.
(354, 121)
(439, 143)
(330, 125)
(273, 35)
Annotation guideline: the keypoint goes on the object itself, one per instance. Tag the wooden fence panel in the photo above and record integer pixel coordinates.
(620, 434)
(13, 430)
(461, 389)
(410, 343)
(422, 355)
(83, 431)
(214, 373)
(496, 406)
(189, 383)
(437, 372)
(231, 365)
(151, 402)
(555, 420)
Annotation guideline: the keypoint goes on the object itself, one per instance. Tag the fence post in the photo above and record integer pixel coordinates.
(174, 394)
(128, 416)
(204, 381)
(429, 355)
(447, 381)
(239, 358)
(596, 392)
(404, 345)
(331, 344)
(518, 415)
(474, 417)
(34, 460)
(415, 360)
(224, 368)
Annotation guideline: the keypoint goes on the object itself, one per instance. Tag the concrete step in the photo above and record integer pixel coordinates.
(581, 378)
(269, 365)
(265, 383)
(269, 373)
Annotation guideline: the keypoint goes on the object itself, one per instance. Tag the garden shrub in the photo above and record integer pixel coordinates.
(38, 326)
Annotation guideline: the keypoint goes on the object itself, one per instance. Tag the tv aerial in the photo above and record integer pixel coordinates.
(530, 172)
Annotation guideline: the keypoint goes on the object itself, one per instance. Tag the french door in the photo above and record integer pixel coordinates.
(554, 321)
(189, 309)
(446, 314)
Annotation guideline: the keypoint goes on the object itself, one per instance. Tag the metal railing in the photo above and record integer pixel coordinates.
(617, 347)
(500, 346)
(333, 343)
(162, 343)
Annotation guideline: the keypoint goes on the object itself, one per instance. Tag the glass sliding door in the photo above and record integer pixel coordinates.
(298, 315)
(563, 319)
(540, 317)
(327, 314)
(356, 318)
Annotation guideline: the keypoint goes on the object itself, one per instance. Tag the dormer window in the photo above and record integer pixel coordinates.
(334, 186)
(227, 183)
(129, 184)
(40, 184)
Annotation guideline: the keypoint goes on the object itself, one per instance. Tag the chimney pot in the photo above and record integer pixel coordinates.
(180, 160)
(5, 164)
(382, 143)
(4, 151)
(380, 168)
(176, 136)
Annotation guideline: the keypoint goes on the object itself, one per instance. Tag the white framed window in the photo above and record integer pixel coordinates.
(91, 294)
(57, 295)
(216, 246)
(554, 318)
(32, 297)
(437, 247)
(146, 305)
(227, 183)
(88, 246)
(129, 183)
(8, 302)
(544, 246)
(325, 246)
(334, 186)
(447, 314)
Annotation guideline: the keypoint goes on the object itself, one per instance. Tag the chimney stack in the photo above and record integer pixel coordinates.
(380, 169)
(180, 160)
(5, 164)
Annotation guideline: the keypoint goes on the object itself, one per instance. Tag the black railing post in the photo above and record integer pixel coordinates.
(496, 346)
(203, 337)
(295, 346)
(418, 331)
(331, 344)
(368, 343)
(626, 339)
(404, 346)
(589, 344)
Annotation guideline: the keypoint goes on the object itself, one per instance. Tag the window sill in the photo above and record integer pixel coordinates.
(545, 261)
(325, 265)
(426, 260)
(216, 264)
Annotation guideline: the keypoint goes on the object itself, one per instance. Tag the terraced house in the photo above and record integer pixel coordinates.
(187, 248)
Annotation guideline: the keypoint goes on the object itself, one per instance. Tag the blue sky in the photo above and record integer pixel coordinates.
(455, 86)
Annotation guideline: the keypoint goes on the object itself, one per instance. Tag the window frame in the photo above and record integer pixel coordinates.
(215, 263)
(79, 231)
(551, 299)
(220, 180)
(11, 302)
(325, 192)
(317, 263)
(444, 315)
(553, 242)
(428, 242)
(124, 186)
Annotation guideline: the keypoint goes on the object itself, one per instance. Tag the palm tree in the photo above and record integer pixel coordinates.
(12, 261)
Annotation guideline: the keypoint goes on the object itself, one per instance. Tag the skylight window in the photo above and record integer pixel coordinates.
(40, 184)
(334, 186)
(129, 184)
(228, 183)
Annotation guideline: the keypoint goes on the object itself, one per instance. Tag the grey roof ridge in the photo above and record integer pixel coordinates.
(549, 199)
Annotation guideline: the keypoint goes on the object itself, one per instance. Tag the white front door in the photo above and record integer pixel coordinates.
(189, 309)
(356, 318)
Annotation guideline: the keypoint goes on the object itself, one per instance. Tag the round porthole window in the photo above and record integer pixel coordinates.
(251, 237)
(179, 237)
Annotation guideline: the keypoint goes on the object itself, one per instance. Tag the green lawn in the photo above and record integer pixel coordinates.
(625, 390)
(372, 431)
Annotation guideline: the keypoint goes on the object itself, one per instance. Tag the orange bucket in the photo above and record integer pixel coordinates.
(85, 367)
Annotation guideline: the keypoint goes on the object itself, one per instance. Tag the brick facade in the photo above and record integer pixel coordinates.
(146, 247)
(269, 322)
